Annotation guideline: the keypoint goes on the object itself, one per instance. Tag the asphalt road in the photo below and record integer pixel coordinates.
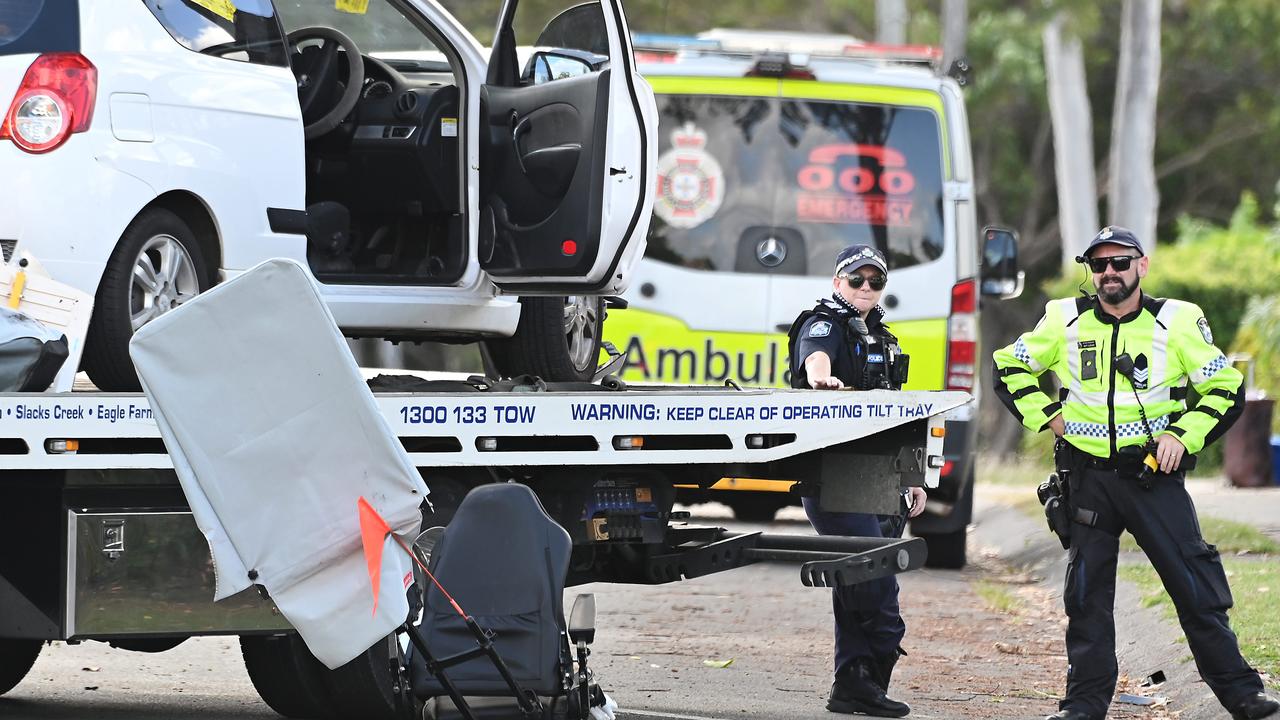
(656, 653)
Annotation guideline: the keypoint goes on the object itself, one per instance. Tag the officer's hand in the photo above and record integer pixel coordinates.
(1169, 452)
(1058, 425)
(917, 501)
(826, 383)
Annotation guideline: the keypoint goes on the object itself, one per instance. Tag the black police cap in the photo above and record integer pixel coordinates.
(856, 256)
(1114, 235)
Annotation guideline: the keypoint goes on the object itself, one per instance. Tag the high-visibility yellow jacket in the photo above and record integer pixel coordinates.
(1169, 343)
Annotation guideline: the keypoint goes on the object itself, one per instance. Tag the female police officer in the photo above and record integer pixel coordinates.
(843, 343)
(1124, 360)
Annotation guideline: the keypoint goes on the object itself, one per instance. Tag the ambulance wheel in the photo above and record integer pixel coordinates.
(287, 676)
(946, 550)
(16, 659)
(157, 265)
(558, 339)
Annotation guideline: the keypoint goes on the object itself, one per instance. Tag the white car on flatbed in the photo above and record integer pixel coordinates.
(150, 149)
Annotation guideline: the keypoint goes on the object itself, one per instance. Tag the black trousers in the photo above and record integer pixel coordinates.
(1163, 521)
(868, 623)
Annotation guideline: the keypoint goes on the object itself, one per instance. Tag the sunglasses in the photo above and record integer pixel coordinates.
(877, 281)
(1120, 262)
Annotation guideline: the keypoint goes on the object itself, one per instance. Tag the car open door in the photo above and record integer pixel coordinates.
(566, 168)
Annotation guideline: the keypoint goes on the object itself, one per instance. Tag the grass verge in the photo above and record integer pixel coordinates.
(1255, 585)
(996, 596)
(1230, 536)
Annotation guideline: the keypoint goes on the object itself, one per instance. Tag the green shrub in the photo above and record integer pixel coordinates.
(1259, 336)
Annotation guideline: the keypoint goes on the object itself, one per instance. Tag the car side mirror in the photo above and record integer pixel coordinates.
(1000, 274)
(426, 543)
(548, 65)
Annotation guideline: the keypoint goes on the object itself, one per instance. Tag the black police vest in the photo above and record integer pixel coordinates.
(877, 361)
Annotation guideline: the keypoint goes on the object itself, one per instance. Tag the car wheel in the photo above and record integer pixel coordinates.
(946, 550)
(558, 339)
(16, 659)
(156, 266)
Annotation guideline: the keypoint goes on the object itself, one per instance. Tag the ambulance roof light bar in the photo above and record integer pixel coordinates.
(790, 66)
(910, 54)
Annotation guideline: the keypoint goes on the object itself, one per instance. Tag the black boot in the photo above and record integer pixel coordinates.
(1255, 707)
(884, 665)
(858, 691)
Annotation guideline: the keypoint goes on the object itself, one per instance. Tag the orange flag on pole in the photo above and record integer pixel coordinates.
(373, 532)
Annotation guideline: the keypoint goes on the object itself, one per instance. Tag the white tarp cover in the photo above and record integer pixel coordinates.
(275, 436)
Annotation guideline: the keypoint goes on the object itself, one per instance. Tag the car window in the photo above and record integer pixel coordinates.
(246, 30)
(378, 29)
(38, 26)
(828, 174)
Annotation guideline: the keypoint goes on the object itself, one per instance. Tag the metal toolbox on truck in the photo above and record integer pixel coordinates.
(149, 572)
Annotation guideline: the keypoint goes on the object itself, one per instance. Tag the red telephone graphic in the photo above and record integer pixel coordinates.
(820, 174)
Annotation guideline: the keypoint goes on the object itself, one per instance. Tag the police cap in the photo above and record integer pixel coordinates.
(1114, 235)
(856, 256)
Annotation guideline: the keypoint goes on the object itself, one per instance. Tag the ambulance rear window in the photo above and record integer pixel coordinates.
(769, 185)
(39, 26)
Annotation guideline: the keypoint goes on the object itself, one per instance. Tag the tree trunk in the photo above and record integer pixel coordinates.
(1132, 197)
(955, 30)
(891, 22)
(1072, 140)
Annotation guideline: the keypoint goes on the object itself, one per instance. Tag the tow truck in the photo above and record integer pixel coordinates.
(109, 551)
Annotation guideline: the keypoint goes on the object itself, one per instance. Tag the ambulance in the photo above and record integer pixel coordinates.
(776, 150)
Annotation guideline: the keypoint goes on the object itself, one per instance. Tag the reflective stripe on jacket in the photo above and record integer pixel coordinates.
(1170, 345)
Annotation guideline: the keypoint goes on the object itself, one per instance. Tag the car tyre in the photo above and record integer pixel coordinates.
(156, 266)
(16, 659)
(288, 678)
(558, 339)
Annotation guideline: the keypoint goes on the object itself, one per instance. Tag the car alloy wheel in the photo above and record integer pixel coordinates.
(164, 277)
(581, 325)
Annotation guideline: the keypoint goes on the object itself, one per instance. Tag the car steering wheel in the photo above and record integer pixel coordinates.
(317, 75)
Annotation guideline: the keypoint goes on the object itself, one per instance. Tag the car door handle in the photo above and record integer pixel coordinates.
(519, 127)
(783, 327)
(551, 169)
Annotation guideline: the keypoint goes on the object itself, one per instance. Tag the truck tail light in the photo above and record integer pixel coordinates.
(962, 336)
(54, 100)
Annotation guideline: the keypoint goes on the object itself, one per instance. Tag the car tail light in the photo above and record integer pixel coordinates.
(962, 336)
(54, 100)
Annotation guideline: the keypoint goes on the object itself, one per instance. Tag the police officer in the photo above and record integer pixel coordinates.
(843, 343)
(1124, 360)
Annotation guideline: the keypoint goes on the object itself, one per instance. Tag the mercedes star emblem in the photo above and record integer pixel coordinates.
(771, 252)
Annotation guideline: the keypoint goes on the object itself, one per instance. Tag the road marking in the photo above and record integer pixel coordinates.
(663, 716)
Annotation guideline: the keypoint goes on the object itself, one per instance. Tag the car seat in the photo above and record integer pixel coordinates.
(505, 563)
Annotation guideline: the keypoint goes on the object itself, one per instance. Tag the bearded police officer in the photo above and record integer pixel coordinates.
(1124, 360)
(842, 343)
